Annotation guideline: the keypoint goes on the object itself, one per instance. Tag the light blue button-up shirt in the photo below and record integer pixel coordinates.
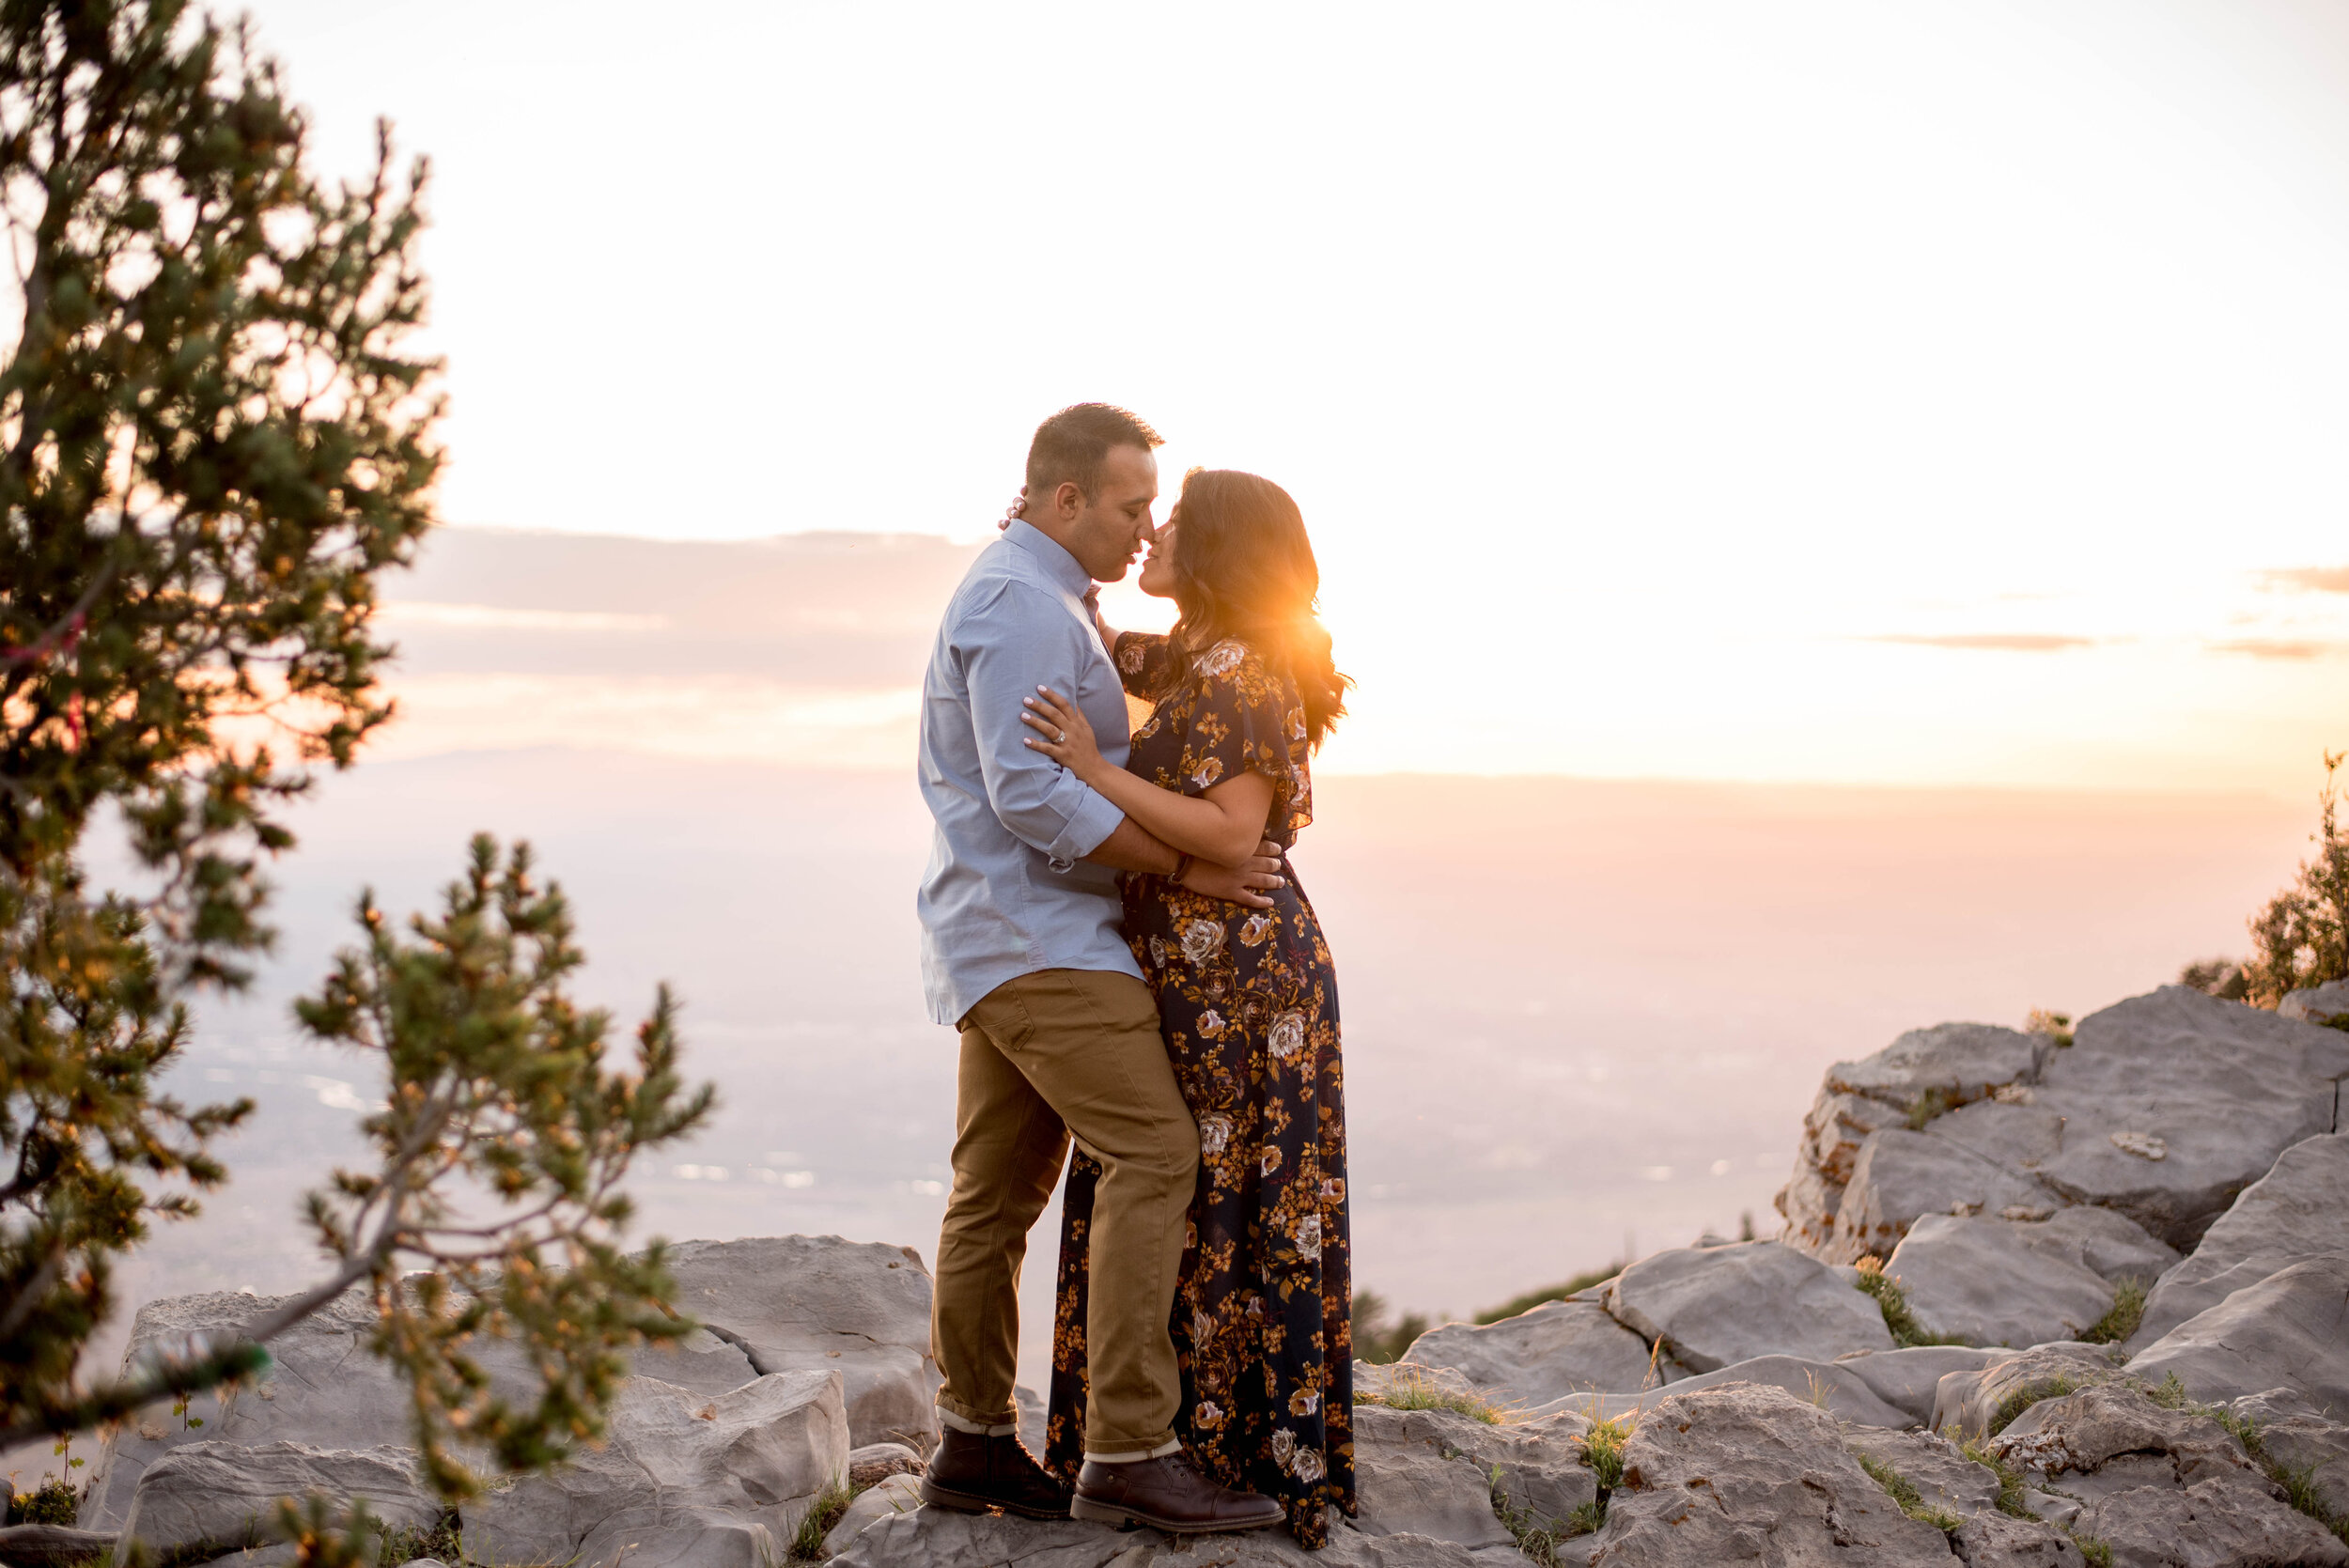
(1006, 893)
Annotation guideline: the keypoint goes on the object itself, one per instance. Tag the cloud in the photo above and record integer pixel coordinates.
(2307, 580)
(1996, 642)
(2277, 647)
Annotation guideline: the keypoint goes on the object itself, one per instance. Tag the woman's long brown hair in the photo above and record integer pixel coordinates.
(1244, 568)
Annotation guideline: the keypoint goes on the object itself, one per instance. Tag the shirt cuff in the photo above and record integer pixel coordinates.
(1092, 821)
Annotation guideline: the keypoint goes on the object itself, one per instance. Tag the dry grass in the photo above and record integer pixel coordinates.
(2121, 1320)
(1412, 1392)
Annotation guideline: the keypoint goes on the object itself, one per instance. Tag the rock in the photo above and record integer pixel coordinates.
(2290, 1330)
(1809, 1203)
(938, 1538)
(898, 1493)
(1959, 1062)
(282, 1554)
(1991, 1539)
(325, 1388)
(874, 1462)
(2319, 1004)
(1824, 1384)
(1938, 1468)
(2112, 1245)
(1035, 1417)
(2289, 1213)
(1970, 1401)
(225, 1495)
(1905, 1379)
(1375, 1381)
(1902, 1176)
(681, 1478)
(1987, 1282)
(821, 1304)
(53, 1546)
(1717, 1305)
(2225, 1088)
(1558, 1348)
(2296, 1436)
(1751, 1474)
(1411, 1479)
(2067, 1441)
(2224, 1520)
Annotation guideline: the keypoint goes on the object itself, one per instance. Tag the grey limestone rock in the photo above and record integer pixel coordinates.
(1558, 1348)
(1991, 1539)
(1713, 1306)
(1994, 1281)
(2061, 1442)
(874, 1462)
(681, 1477)
(1751, 1474)
(1970, 1401)
(2222, 1522)
(2299, 1208)
(2174, 1102)
(1938, 1468)
(225, 1495)
(1413, 1477)
(2290, 1330)
(2294, 1435)
(821, 1304)
(1959, 1062)
(899, 1492)
(1902, 1175)
(1906, 1379)
(2319, 1004)
(937, 1538)
(1829, 1385)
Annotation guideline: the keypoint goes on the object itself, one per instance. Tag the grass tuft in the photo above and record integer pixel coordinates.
(2055, 1025)
(1893, 1303)
(2298, 1484)
(2011, 1485)
(2170, 1394)
(1538, 1538)
(439, 1541)
(2121, 1320)
(2097, 1551)
(53, 1502)
(1589, 1520)
(1602, 1449)
(1925, 1107)
(807, 1542)
(1903, 1492)
(2029, 1394)
(1414, 1392)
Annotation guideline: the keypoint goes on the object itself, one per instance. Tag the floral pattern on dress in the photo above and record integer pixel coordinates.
(1248, 1004)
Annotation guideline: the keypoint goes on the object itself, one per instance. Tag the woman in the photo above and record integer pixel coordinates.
(1242, 690)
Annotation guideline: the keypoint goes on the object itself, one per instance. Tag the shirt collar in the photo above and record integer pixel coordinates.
(1058, 563)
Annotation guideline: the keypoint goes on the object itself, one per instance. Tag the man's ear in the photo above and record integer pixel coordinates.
(1068, 498)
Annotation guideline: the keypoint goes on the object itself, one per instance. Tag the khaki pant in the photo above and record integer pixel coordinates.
(1046, 1055)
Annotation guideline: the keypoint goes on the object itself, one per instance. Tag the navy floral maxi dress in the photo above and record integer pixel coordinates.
(1247, 1002)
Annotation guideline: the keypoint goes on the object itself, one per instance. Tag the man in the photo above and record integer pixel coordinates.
(1022, 952)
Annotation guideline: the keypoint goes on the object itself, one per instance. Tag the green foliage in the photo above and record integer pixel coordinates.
(212, 437)
(1411, 1392)
(1537, 1537)
(1903, 1492)
(2020, 1400)
(1602, 1449)
(1925, 1107)
(1376, 1339)
(1533, 1298)
(2094, 1548)
(1588, 1519)
(2121, 1320)
(327, 1536)
(2169, 1393)
(2298, 1484)
(2011, 1484)
(442, 1540)
(2055, 1025)
(823, 1512)
(53, 1502)
(1893, 1303)
(497, 1080)
(2301, 938)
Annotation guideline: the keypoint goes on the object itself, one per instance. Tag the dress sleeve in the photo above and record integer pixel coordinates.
(1241, 716)
(1142, 662)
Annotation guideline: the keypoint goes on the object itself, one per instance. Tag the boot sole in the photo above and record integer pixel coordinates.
(972, 1502)
(1112, 1514)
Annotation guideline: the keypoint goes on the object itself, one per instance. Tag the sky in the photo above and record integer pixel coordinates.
(1934, 393)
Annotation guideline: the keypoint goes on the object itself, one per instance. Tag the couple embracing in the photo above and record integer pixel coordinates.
(1111, 921)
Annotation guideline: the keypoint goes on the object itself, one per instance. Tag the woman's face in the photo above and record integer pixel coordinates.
(1158, 568)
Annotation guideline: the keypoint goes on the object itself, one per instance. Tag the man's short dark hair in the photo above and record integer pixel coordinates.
(1074, 443)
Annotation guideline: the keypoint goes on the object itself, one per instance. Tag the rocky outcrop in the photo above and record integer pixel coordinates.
(681, 1478)
(1559, 1348)
(1907, 1379)
(2301, 1199)
(2293, 1434)
(2290, 1330)
(1712, 1306)
(2163, 1109)
(2327, 1003)
(821, 1304)
(1998, 1282)
(225, 1496)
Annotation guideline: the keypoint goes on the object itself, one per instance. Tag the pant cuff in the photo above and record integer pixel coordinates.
(1128, 1456)
(978, 1429)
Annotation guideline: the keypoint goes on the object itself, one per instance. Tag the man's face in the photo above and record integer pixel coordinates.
(1108, 530)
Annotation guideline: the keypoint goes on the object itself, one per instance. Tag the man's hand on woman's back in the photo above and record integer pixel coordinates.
(1245, 883)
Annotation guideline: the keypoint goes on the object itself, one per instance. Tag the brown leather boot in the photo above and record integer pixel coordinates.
(973, 1473)
(1167, 1493)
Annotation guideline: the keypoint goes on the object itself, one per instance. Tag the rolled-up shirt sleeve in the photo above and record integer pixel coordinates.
(1009, 647)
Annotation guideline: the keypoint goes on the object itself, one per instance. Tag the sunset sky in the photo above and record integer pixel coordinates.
(1863, 394)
